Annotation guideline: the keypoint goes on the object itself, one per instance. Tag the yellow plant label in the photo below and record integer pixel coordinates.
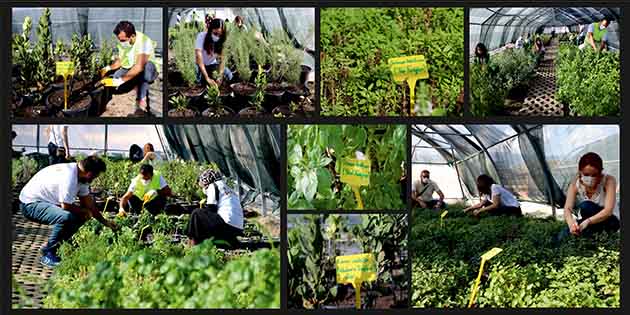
(443, 214)
(355, 172)
(355, 269)
(491, 253)
(64, 68)
(408, 68)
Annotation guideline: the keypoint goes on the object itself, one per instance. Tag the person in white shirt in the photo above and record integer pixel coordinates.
(209, 53)
(423, 190)
(595, 194)
(222, 218)
(58, 145)
(495, 199)
(49, 198)
(150, 157)
(148, 191)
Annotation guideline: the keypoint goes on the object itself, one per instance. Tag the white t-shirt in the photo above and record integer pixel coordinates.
(55, 135)
(427, 190)
(229, 207)
(132, 187)
(506, 197)
(207, 59)
(599, 197)
(55, 184)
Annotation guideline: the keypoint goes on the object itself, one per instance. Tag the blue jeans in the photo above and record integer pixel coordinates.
(65, 222)
(213, 67)
(588, 209)
(142, 80)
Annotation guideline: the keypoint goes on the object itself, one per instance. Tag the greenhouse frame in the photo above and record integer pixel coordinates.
(497, 26)
(535, 162)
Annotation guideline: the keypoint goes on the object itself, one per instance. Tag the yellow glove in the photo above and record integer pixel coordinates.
(121, 213)
(103, 72)
(111, 82)
(150, 195)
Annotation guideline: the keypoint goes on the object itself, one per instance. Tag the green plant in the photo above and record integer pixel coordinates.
(81, 53)
(357, 43)
(22, 170)
(285, 58)
(238, 52)
(313, 155)
(43, 51)
(178, 102)
(183, 45)
(261, 85)
(23, 58)
(212, 95)
(588, 81)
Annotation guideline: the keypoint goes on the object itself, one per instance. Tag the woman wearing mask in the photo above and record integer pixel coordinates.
(495, 199)
(209, 52)
(595, 194)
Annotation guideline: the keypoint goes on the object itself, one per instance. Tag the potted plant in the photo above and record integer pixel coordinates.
(259, 96)
(237, 47)
(184, 50)
(213, 100)
(179, 107)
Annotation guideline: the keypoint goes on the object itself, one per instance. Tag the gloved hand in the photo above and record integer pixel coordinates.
(112, 82)
(103, 72)
(121, 213)
(150, 195)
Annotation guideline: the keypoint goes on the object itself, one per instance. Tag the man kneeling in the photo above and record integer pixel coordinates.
(147, 191)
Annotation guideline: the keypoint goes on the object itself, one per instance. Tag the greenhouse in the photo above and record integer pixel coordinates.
(545, 61)
(548, 257)
(69, 62)
(146, 253)
(241, 62)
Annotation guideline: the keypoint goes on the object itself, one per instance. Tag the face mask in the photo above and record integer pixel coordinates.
(588, 180)
(601, 27)
(126, 44)
(146, 181)
(215, 38)
(425, 180)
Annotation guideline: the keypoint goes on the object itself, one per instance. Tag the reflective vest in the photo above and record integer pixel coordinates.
(141, 189)
(127, 55)
(598, 34)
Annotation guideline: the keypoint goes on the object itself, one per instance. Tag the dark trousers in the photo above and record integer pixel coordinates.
(503, 210)
(588, 209)
(65, 223)
(206, 223)
(430, 204)
(154, 206)
(54, 156)
(142, 80)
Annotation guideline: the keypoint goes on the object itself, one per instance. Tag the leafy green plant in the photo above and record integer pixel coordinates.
(179, 102)
(261, 84)
(357, 42)
(212, 95)
(81, 53)
(23, 58)
(313, 155)
(588, 81)
(286, 59)
(183, 45)
(532, 270)
(43, 51)
(238, 53)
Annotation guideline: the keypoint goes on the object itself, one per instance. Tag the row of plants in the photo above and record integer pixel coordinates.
(356, 44)
(588, 81)
(507, 75)
(314, 153)
(533, 270)
(269, 77)
(127, 269)
(37, 90)
(315, 240)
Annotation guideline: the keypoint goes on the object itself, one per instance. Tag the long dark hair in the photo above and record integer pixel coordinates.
(483, 56)
(208, 45)
(484, 184)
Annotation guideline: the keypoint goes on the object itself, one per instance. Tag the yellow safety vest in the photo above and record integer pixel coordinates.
(141, 189)
(127, 55)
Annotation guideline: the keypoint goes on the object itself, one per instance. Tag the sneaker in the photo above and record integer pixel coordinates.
(50, 260)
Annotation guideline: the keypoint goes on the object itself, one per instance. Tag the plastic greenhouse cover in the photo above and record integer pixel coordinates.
(89, 139)
(298, 23)
(98, 22)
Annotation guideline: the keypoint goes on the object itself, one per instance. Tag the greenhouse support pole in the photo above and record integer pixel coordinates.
(37, 138)
(545, 169)
(485, 150)
(459, 178)
(106, 131)
(264, 203)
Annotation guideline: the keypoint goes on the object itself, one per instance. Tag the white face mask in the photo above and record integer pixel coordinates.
(126, 44)
(588, 180)
(425, 180)
(146, 181)
(215, 38)
(601, 27)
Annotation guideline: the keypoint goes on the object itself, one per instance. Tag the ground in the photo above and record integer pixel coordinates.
(123, 105)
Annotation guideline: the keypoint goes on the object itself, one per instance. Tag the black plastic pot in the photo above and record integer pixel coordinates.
(210, 112)
(242, 99)
(83, 112)
(304, 74)
(99, 101)
(250, 112)
(284, 110)
(294, 93)
(195, 97)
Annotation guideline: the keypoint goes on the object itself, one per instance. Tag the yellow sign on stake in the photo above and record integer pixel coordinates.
(442, 217)
(485, 257)
(409, 69)
(355, 173)
(65, 69)
(356, 269)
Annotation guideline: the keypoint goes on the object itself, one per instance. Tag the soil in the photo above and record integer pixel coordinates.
(56, 98)
(274, 89)
(82, 104)
(250, 112)
(245, 89)
(285, 111)
(194, 91)
(185, 112)
(221, 111)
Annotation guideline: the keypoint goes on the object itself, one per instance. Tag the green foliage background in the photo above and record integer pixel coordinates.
(356, 43)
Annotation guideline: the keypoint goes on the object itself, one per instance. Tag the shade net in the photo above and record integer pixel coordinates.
(99, 23)
(535, 162)
(496, 27)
